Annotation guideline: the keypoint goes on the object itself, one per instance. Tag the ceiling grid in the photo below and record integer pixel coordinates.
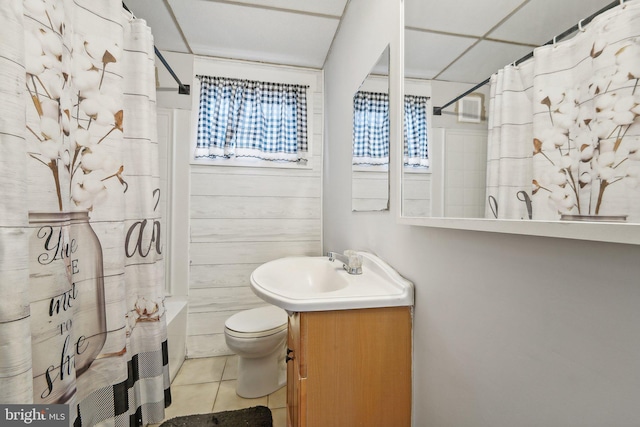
(453, 40)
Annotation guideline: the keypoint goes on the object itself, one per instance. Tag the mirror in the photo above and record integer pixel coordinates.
(558, 176)
(419, 198)
(451, 182)
(370, 140)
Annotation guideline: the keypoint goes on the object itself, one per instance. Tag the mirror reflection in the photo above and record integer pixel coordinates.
(417, 167)
(370, 140)
(555, 137)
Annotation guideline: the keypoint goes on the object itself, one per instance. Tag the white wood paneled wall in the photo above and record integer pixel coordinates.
(416, 194)
(241, 217)
(274, 213)
(370, 190)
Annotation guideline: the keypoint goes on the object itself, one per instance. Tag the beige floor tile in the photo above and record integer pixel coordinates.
(192, 399)
(198, 389)
(278, 399)
(279, 417)
(196, 371)
(231, 369)
(227, 398)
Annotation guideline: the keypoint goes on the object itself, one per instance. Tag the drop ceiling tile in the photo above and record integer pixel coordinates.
(324, 7)
(540, 20)
(469, 17)
(165, 32)
(235, 31)
(426, 54)
(482, 61)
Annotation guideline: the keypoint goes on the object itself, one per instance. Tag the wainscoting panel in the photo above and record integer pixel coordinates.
(263, 230)
(221, 276)
(224, 207)
(370, 190)
(231, 235)
(250, 252)
(416, 194)
(228, 183)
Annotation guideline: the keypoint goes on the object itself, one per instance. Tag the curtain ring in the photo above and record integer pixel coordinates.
(580, 25)
(132, 17)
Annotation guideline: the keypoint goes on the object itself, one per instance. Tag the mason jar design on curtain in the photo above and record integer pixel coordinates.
(68, 285)
(67, 301)
(74, 123)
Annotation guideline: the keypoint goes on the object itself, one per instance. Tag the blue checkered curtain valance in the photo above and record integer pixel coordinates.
(244, 118)
(416, 151)
(370, 128)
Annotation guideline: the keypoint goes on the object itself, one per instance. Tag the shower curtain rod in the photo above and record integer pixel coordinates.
(437, 111)
(182, 88)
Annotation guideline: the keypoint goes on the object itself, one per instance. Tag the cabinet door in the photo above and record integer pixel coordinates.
(357, 367)
(293, 372)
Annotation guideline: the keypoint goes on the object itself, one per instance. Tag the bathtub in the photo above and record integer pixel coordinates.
(176, 312)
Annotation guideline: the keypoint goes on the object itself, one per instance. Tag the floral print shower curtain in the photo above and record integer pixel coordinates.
(81, 268)
(565, 127)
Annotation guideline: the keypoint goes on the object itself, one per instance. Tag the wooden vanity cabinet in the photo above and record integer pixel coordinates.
(350, 368)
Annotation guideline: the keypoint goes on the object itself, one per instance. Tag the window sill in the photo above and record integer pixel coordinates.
(409, 169)
(251, 163)
(370, 168)
(385, 168)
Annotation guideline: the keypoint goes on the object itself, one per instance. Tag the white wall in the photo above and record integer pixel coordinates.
(232, 219)
(509, 330)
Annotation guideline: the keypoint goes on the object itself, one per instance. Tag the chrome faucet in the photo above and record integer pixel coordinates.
(351, 261)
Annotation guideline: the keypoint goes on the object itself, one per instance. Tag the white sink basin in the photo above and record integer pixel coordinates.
(301, 284)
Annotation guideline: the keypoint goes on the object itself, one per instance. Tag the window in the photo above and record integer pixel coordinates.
(371, 130)
(245, 118)
(416, 153)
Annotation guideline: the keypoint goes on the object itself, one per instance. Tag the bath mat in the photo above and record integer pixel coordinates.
(258, 416)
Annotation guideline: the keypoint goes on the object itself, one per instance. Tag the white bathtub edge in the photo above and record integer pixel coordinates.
(176, 315)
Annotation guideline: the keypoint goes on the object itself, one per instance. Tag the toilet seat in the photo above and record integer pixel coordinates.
(257, 322)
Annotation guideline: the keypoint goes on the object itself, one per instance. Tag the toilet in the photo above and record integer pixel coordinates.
(258, 336)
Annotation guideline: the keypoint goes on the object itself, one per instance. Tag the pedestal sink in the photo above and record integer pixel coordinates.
(299, 284)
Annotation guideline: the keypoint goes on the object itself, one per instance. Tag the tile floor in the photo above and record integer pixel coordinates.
(209, 385)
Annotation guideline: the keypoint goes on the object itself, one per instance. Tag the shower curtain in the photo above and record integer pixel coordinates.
(564, 130)
(81, 268)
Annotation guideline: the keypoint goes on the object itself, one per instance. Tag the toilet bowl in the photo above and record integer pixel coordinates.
(258, 336)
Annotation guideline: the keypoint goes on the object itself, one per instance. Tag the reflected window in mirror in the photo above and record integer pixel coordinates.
(418, 153)
(416, 145)
(370, 139)
(370, 129)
